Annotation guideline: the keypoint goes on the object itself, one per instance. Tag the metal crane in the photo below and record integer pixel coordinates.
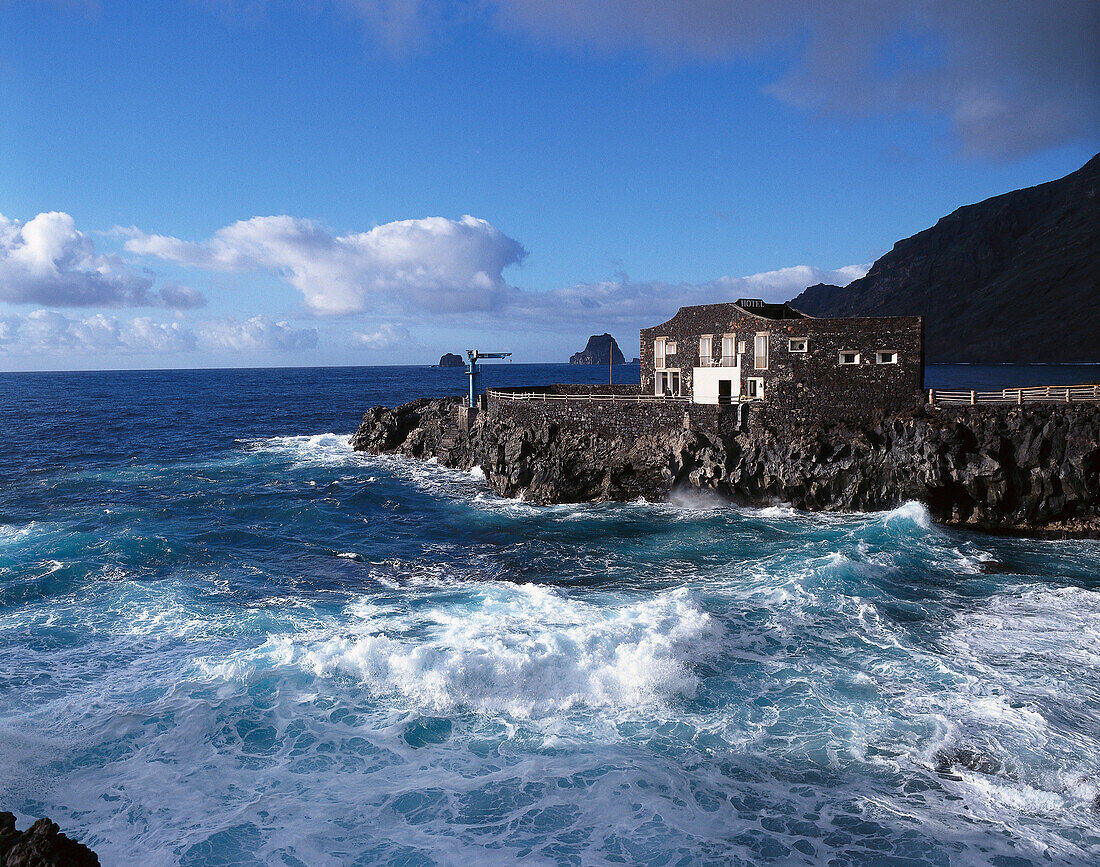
(474, 371)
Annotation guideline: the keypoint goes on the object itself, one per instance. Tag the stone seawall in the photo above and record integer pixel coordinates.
(1032, 469)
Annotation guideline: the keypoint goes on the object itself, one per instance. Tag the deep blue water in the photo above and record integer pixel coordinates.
(227, 639)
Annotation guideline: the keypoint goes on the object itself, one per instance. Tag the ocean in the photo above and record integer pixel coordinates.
(227, 639)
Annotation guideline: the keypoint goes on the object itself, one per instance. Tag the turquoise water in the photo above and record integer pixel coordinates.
(227, 639)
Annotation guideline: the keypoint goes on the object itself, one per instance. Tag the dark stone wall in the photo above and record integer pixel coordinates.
(815, 385)
(608, 418)
(810, 383)
(572, 388)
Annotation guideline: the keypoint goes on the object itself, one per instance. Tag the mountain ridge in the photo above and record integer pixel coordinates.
(1011, 279)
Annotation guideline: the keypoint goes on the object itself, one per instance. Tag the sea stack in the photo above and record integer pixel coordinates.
(596, 352)
(449, 359)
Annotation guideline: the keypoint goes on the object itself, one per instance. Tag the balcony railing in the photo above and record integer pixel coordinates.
(724, 361)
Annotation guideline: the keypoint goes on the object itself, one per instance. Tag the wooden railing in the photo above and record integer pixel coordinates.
(1021, 395)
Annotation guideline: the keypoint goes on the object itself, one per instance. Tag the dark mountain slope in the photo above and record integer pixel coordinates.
(1015, 278)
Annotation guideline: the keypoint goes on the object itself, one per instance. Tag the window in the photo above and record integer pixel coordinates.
(754, 385)
(740, 347)
(729, 351)
(659, 353)
(706, 354)
(799, 344)
(760, 355)
(886, 356)
(848, 356)
(670, 347)
(668, 383)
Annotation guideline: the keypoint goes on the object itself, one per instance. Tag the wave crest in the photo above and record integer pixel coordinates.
(525, 651)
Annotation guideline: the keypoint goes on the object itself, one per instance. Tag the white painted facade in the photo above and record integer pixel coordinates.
(705, 383)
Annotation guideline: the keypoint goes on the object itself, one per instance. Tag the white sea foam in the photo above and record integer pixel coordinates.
(525, 651)
(910, 512)
(11, 534)
(327, 449)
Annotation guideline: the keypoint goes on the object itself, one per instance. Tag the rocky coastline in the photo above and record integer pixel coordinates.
(41, 845)
(1031, 470)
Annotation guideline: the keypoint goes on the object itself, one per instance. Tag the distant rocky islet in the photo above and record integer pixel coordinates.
(598, 350)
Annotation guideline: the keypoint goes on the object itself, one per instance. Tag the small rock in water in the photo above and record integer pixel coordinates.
(964, 757)
(41, 845)
(993, 567)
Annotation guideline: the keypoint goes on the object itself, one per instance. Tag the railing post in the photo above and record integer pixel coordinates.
(1067, 394)
(931, 397)
(973, 397)
(1019, 397)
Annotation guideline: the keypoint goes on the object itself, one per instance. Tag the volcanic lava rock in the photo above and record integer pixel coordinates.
(41, 845)
(596, 351)
(1032, 469)
(451, 360)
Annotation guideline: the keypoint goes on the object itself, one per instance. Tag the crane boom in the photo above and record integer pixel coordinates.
(473, 370)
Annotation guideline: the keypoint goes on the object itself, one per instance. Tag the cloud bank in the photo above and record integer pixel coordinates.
(48, 261)
(51, 332)
(434, 267)
(635, 304)
(428, 269)
(1010, 78)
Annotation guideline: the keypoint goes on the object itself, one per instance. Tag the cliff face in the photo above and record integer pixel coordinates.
(1015, 278)
(999, 469)
(596, 351)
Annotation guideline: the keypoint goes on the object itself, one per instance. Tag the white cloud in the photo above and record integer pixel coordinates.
(44, 332)
(258, 333)
(430, 264)
(47, 260)
(386, 336)
(48, 331)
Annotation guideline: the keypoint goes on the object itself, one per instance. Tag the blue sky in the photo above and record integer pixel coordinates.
(240, 182)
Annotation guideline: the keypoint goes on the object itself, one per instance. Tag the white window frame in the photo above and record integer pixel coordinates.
(802, 340)
(741, 350)
(893, 353)
(660, 357)
(843, 363)
(729, 359)
(706, 350)
(756, 353)
(670, 347)
(668, 374)
(754, 383)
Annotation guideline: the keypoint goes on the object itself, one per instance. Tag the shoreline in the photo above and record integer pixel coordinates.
(1031, 471)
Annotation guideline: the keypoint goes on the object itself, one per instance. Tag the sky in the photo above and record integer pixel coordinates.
(213, 183)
